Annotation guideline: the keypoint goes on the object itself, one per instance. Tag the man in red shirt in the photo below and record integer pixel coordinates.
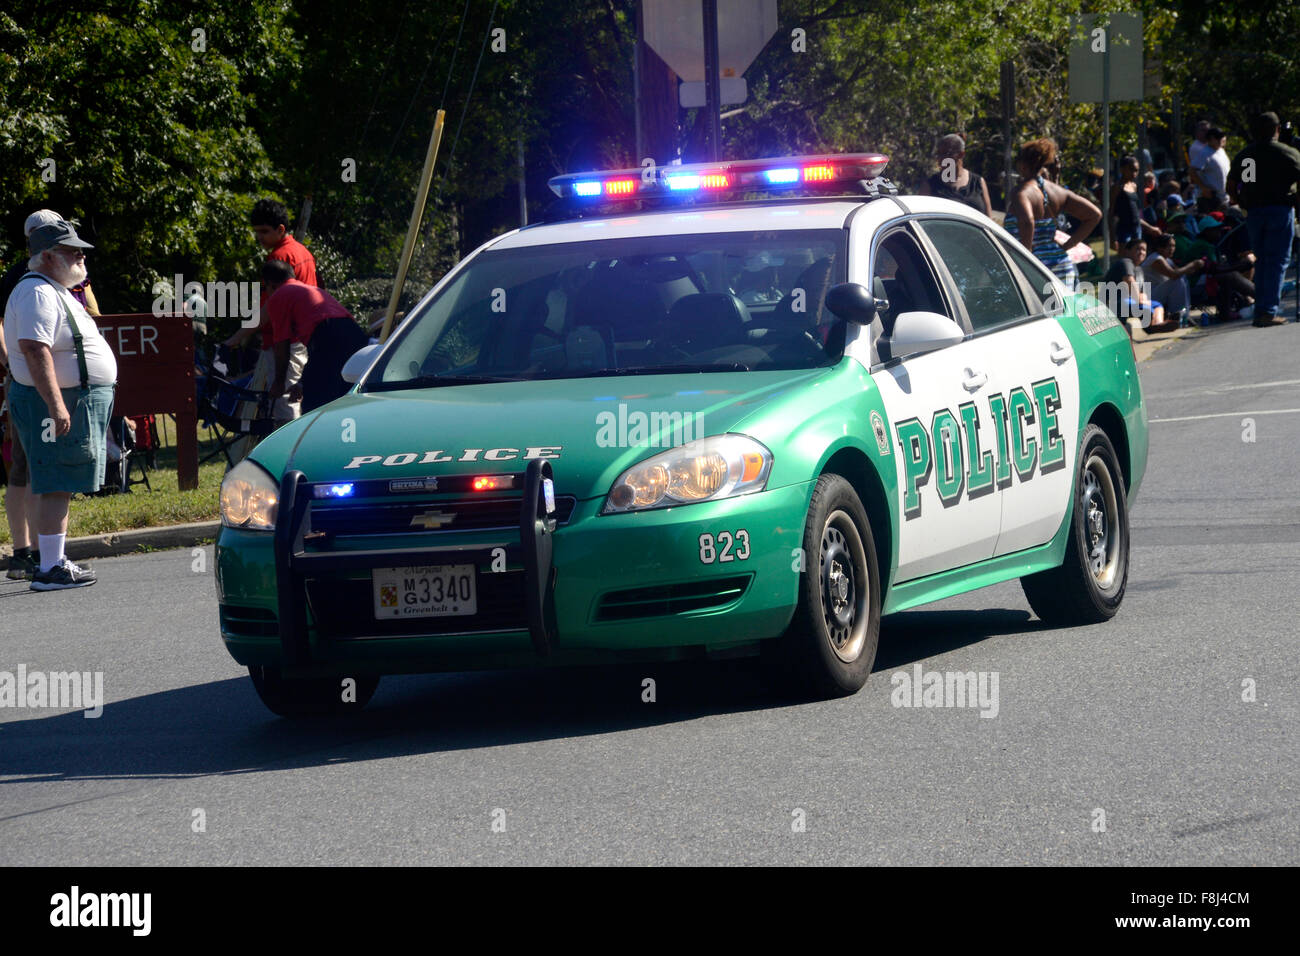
(270, 222)
(302, 314)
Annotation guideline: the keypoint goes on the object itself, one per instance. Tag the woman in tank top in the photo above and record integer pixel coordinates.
(1033, 206)
(953, 180)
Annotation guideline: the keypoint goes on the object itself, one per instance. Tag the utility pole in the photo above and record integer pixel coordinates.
(712, 92)
(1105, 153)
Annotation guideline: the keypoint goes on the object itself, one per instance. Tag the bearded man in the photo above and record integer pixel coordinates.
(64, 376)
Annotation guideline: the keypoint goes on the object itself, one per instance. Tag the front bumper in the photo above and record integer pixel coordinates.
(599, 588)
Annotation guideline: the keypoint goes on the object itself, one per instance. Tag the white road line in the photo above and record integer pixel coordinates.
(1197, 418)
(1217, 389)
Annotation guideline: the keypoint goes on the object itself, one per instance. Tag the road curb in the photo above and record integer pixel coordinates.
(1145, 346)
(117, 543)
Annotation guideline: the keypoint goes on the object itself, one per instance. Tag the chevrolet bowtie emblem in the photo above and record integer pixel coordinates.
(432, 520)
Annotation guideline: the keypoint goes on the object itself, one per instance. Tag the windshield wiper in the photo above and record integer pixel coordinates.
(438, 381)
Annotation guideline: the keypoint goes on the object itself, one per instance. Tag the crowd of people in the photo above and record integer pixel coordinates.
(60, 375)
(1221, 239)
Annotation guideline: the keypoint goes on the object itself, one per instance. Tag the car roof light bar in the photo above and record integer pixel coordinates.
(785, 173)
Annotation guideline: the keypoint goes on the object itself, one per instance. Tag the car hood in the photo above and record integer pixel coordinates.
(590, 429)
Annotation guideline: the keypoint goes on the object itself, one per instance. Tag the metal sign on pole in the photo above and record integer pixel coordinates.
(673, 29)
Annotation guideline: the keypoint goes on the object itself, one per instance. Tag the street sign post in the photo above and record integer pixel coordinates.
(1106, 66)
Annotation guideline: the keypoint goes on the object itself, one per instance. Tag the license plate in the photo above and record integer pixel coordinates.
(435, 590)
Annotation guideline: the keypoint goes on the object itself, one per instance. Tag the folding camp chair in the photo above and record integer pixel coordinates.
(223, 404)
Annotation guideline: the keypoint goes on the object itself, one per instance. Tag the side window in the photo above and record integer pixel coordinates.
(903, 278)
(1037, 277)
(991, 293)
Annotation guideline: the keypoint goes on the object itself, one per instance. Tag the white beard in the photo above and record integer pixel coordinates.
(65, 275)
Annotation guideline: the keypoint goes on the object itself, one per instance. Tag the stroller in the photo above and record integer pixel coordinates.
(224, 405)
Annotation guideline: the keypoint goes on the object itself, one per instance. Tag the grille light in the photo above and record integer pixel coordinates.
(333, 491)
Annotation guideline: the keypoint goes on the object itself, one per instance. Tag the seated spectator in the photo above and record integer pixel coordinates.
(1126, 290)
(1187, 246)
(1172, 289)
(1231, 271)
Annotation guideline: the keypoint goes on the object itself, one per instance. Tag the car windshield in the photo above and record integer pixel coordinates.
(723, 301)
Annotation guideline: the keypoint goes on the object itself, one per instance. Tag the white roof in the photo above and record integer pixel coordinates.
(751, 217)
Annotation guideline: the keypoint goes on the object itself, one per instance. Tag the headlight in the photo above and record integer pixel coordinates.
(248, 497)
(719, 467)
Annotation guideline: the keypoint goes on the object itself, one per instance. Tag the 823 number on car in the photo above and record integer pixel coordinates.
(725, 547)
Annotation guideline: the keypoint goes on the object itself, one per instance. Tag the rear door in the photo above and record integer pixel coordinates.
(1032, 404)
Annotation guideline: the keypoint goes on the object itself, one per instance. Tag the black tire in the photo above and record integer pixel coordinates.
(310, 697)
(1089, 585)
(830, 646)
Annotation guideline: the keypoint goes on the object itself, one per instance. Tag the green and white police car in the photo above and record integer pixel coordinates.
(713, 409)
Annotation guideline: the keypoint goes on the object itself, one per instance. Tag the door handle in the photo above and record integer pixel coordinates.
(974, 381)
(1060, 353)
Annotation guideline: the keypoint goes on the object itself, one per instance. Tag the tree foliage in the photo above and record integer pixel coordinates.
(161, 144)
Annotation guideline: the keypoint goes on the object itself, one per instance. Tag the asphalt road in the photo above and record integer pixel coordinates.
(1142, 718)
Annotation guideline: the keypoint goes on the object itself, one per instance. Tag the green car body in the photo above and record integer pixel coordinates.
(711, 577)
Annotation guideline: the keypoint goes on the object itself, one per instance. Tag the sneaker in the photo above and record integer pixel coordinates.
(62, 576)
(1267, 321)
(22, 567)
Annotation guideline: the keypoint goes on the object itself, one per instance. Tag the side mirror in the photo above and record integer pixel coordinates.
(917, 332)
(851, 302)
(356, 366)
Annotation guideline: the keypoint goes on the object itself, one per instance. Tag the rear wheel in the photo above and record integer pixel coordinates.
(1088, 586)
(830, 646)
(312, 696)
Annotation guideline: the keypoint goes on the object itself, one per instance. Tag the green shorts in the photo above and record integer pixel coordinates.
(69, 463)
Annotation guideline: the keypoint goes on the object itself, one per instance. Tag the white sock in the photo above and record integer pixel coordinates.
(51, 548)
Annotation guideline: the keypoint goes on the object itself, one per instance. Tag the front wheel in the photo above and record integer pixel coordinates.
(1088, 586)
(312, 696)
(830, 646)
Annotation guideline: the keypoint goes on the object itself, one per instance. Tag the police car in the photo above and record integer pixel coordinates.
(740, 407)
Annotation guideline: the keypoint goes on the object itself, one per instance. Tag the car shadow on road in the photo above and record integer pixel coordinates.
(916, 635)
(222, 728)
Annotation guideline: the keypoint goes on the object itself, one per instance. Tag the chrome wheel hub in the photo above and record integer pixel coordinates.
(843, 586)
(1102, 531)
